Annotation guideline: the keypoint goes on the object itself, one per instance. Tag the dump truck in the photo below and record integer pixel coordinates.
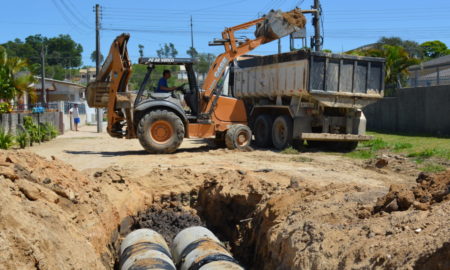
(159, 120)
(308, 96)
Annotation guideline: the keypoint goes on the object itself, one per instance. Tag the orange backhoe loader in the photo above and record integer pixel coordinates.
(159, 120)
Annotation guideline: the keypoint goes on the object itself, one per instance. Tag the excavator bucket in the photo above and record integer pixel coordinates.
(278, 24)
(97, 94)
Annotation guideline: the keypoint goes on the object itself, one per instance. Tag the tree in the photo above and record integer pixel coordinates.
(413, 48)
(15, 78)
(94, 57)
(61, 50)
(141, 50)
(204, 62)
(167, 51)
(64, 51)
(192, 52)
(434, 49)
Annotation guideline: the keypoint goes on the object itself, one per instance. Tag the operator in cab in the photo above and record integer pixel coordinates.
(162, 83)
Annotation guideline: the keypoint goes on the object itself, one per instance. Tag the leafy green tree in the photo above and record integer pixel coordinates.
(60, 50)
(15, 78)
(141, 50)
(94, 57)
(168, 50)
(192, 52)
(65, 51)
(434, 49)
(413, 48)
(204, 62)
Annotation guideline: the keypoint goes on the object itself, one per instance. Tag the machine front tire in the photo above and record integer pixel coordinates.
(282, 130)
(238, 137)
(160, 132)
(263, 130)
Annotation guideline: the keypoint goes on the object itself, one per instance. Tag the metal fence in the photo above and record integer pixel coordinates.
(428, 81)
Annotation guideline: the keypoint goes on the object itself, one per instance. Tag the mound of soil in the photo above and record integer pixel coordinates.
(430, 189)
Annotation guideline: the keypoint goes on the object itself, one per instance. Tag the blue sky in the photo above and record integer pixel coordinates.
(347, 23)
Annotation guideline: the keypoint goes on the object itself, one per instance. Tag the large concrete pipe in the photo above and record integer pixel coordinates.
(145, 249)
(197, 248)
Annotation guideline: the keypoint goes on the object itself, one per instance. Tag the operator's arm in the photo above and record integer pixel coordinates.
(167, 88)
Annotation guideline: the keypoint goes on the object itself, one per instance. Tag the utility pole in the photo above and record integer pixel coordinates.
(279, 46)
(99, 111)
(192, 35)
(44, 94)
(316, 23)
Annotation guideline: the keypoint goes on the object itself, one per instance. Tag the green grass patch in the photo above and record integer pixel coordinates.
(361, 154)
(289, 151)
(401, 145)
(301, 159)
(433, 168)
(376, 144)
(417, 146)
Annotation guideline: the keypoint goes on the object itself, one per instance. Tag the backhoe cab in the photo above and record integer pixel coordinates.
(161, 121)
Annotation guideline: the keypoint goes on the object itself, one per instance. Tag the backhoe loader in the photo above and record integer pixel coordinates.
(159, 120)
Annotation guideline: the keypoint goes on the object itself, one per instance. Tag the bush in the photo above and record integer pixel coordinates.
(6, 139)
(47, 131)
(23, 139)
(32, 129)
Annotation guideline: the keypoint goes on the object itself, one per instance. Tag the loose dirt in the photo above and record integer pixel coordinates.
(70, 206)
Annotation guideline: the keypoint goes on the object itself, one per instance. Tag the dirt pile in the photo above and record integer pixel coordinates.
(54, 217)
(430, 189)
(317, 227)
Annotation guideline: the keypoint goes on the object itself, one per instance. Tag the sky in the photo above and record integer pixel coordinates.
(347, 24)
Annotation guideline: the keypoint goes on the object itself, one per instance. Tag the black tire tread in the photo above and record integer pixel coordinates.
(230, 141)
(158, 114)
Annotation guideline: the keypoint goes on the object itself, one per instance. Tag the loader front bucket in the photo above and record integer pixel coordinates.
(278, 24)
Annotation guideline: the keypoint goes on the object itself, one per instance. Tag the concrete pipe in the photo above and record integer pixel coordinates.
(197, 248)
(145, 249)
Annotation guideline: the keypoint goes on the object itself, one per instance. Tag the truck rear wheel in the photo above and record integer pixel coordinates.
(282, 130)
(238, 137)
(160, 132)
(263, 130)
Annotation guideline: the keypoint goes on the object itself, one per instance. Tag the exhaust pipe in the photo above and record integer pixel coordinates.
(145, 249)
(198, 248)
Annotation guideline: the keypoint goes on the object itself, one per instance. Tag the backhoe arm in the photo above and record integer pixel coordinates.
(271, 27)
(112, 79)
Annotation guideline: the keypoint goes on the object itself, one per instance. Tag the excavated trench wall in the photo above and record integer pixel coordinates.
(228, 217)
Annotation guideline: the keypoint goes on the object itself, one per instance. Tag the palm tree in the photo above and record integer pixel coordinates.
(15, 78)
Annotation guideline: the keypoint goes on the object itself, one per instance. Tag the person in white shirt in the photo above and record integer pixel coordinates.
(76, 115)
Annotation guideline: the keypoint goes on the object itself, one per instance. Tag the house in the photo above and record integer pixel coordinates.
(87, 75)
(61, 95)
(430, 73)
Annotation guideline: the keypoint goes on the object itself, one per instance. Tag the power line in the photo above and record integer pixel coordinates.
(74, 15)
(66, 18)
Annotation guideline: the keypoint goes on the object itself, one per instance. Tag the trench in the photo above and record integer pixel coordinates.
(229, 218)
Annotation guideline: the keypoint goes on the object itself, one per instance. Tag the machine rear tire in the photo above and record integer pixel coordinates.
(263, 130)
(238, 137)
(160, 132)
(282, 130)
